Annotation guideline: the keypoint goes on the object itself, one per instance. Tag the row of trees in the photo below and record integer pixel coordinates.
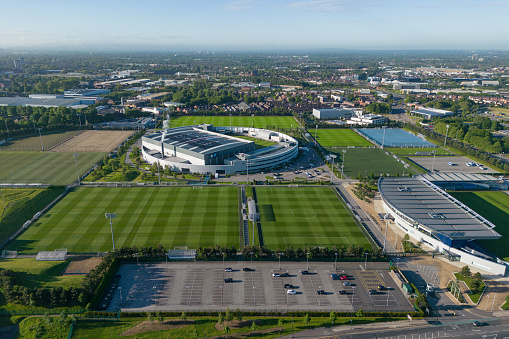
(312, 252)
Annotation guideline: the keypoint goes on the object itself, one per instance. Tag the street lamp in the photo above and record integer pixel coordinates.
(433, 165)
(333, 156)
(251, 258)
(221, 287)
(386, 217)
(307, 260)
(120, 291)
(343, 163)
(366, 262)
(316, 130)
(254, 295)
(189, 293)
(447, 131)
(383, 139)
(75, 155)
(279, 254)
(155, 295)
(335, 262)
(111, 216)
(40, 136)
(223, 260)
(320, 295)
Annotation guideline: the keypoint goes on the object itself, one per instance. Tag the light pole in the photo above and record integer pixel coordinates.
(111, 216)
(223, 260)
(251, 258)
(333, 156)
(433, 165)
(343, 163)
(120, 291)
(279, 254)
(335, 262)
(316, 131)
(383, 138)
(446, 132)
(155, 295)
(221, 287)
(40, 136)
(75, 155)
(307, 260)
(320, 295)
(487, 302)
(254, 295)
(386, 217)
(189, 293)
(137, 258)
(353, 295)
(366, 262)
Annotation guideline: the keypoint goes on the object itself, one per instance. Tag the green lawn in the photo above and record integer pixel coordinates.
(259, 122)
(57, 168)
(32, 273)
(21, 205)
(476, 293)
(33, 143)
(169, 216)
(339, 137)
(494, 206)
(306, 216)
(412, 151)
(259, 143)
(367, 160)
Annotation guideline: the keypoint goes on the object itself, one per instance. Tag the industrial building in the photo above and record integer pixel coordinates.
(207, 149)
(436, 219)
(368, 119)
(334, 113)
(430, 113)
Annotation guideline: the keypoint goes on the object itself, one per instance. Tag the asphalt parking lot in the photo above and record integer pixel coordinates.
(202, 286)
(459, 164)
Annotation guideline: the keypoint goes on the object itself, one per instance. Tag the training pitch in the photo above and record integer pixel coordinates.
(37, 142)
(366, 160)
(268, 122)
(339, 137)
(168, 216)
(57, 168)
(306, 216)
(494, 206)
(94, 141)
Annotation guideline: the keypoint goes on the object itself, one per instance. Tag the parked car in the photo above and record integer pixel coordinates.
(322, 292)
(342, 292)
(382, 288)
(304, 272)
(343, 277)
(247, 269)
(346, 283)
(276, 275)
(288, 286)
(228, 269)
(285, 274)
(334, 276)
(477, 323)
(372, 292)
(228, 280)
(291, 292)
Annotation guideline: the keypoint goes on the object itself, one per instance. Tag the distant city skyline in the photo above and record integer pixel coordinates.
(255, 24)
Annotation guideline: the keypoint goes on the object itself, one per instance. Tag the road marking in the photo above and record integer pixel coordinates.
(362, 268)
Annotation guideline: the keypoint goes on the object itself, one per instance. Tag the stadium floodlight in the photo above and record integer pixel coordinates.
(447, 132)
(333, 156)
(75, 155)
(111, 216)
(383, 139)
(40, 136)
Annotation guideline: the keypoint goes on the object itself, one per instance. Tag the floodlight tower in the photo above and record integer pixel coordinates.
(111, 216)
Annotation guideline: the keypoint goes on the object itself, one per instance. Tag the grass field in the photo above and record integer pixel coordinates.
(494, 206)
(503, 111)
(169, 216)
(259, 143)
(339, 137)
(412, 151)
(259, 122)
(57, 168)
(32, 273)
(367, 160)
(33, 143)
(21, 205)
(306, 216)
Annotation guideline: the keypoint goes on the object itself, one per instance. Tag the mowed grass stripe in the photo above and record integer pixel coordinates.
(146, 216)
(259, 122)
(339, 137)
(308, 216)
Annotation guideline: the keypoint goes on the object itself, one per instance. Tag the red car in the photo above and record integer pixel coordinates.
(343, 277)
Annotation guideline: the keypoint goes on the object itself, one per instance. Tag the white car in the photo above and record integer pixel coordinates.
(276, 275)
(228, 269)
(291, 292)
(450, 163)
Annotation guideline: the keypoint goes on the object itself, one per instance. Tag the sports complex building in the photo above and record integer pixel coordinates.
(429, 215)
(206, 149)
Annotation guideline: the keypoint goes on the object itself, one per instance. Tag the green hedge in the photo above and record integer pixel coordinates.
(104, 284)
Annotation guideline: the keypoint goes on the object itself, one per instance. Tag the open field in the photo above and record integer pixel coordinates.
(494, 206)
(58, 168)
(339, 137)
(367, 160)
(503, 111)
(21, 205)
(413, 151)
(168, 216)
(32, 273)
(306, 216)
(94, 141)
(33, 143)
(259, 122)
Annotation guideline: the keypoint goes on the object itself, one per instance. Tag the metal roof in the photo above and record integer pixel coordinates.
(458, 177)
(434, 209)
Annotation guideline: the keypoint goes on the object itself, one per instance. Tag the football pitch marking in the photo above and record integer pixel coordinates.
(304, 213)
(302, 239)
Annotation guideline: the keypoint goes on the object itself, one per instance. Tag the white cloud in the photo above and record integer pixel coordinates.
(237, 6)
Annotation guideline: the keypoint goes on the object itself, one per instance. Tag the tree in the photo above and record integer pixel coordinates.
(159, 317)
(465, 271)
(226, 330)
(238, 314)
(183, 316)
(359, 313)
(422, 302)
(477, 277)
(253, 326)
(220, 318)
(150, 317)
(229, 315)
(307, 319)
(333, 317)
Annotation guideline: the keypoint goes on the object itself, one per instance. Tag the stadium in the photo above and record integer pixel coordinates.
(206, 149)
(429, 215)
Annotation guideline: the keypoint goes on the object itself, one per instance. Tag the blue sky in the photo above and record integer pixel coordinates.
(255, 24)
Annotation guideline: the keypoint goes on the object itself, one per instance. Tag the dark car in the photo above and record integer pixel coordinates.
(285, 274)
(304, 272)
(334, 276)
(320, 292)
(288, 286)
(247, 269)
(228, 280)
(373, 292)
(382, 288)
(478, 323)
(342, 292)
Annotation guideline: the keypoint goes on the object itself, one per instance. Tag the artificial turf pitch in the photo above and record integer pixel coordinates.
(57, 168)
(339, 137)
(494, 206)
(146, 216)
(258, 122)
(305, 216)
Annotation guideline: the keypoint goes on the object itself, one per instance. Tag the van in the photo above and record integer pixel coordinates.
(430, 288)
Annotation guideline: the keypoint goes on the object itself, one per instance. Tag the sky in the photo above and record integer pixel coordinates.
(254, 24)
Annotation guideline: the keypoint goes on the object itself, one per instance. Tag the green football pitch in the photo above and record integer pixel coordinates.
(367, 160)
(57, 168)
(339, 137)
(306, 216)
(494, 206)
(145, 216)
(258, 122)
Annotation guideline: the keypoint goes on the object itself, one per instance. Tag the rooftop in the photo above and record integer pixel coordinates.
(434, 209)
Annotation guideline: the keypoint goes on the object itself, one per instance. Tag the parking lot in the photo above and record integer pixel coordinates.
(458, 164)
(202, 286)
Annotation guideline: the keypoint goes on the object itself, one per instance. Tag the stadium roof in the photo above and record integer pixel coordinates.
(434, 209)
(195, 139)
(457, 177)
